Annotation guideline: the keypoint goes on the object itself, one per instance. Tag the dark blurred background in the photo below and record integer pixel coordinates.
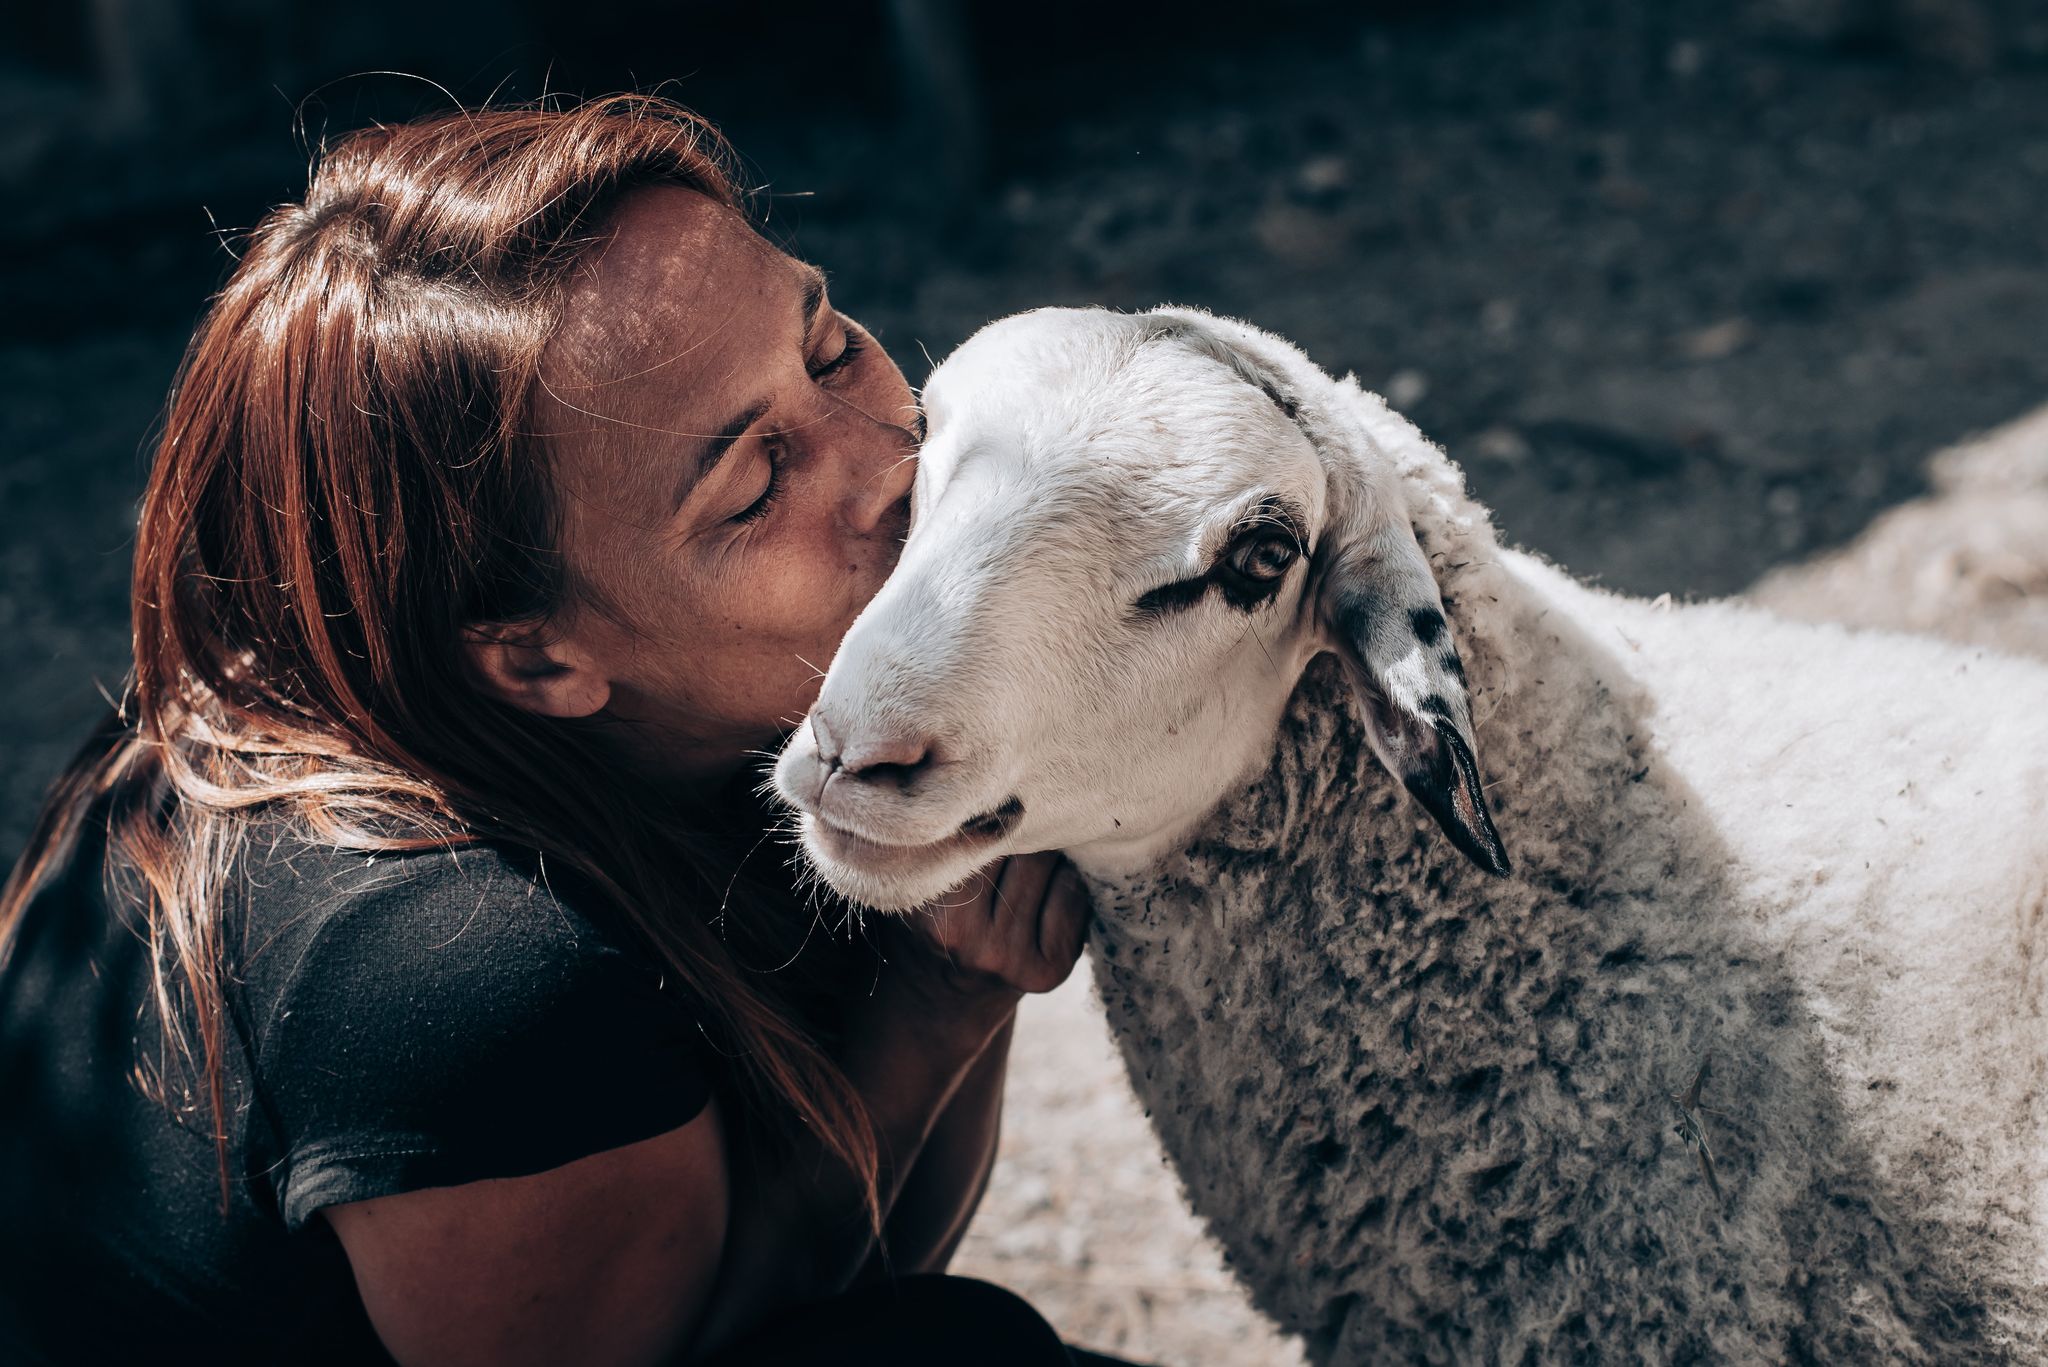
(1691, 288)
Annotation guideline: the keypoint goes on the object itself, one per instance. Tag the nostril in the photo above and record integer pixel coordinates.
(885, 759)
(821, 736)
(898, 774)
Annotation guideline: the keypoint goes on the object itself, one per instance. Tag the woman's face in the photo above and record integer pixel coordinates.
(734, 459)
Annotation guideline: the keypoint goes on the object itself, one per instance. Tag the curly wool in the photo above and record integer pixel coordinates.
(1430, 1114)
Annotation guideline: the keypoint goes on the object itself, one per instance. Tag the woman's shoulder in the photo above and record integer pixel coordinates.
(444, 1015)
(448, 952)
(435, 909)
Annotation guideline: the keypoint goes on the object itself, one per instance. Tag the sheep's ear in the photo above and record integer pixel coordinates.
(1379, 601)
(1386, 621)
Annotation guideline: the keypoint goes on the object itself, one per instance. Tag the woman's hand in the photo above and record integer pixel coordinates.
(1015, 927)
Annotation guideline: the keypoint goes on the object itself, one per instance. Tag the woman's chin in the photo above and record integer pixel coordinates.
(892, 877)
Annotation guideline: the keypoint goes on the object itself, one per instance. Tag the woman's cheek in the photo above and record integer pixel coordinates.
(789, 580)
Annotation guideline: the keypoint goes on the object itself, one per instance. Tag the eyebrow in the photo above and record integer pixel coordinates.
(812, 298)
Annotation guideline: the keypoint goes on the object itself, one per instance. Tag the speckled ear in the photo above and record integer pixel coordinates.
(1379, 599)
(1387, 622)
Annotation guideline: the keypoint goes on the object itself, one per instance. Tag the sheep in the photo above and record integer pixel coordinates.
(1725, 1044)
(1969, 561)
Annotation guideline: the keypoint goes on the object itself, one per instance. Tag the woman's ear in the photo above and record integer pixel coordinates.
(536, 671)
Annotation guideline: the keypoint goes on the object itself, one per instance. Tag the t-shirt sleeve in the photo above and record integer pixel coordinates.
(426, 1021)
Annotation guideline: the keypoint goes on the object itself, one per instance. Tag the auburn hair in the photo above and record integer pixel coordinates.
(347, 479)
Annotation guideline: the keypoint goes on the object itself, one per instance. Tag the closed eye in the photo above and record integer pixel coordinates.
(850, 348)
(760, 507)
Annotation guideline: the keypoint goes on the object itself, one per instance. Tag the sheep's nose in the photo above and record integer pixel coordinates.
(880, 759)
(870, 755)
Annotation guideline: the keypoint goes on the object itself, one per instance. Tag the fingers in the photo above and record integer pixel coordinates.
(1021, 887)
(1054, 902)
(1021, 922)
(1063, 926)
(963, 924)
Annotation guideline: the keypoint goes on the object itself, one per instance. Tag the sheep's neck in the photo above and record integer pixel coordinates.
(1546, 695)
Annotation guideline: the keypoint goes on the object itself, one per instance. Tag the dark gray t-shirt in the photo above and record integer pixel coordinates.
(395, 1023)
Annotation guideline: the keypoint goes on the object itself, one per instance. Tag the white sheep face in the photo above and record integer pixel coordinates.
(1115, 577)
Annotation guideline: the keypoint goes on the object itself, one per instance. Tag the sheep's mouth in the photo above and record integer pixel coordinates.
(877, 858)
(996, 824)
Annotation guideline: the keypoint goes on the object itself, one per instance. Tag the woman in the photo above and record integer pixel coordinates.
(390, 975)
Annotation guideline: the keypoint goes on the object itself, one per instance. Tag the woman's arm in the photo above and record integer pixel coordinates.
(609, 1259)
(641, 1253)
(637, 1253)
(937, 1010)
(944, 1190)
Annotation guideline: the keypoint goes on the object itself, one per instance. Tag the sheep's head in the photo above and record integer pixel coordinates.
(1130, 535)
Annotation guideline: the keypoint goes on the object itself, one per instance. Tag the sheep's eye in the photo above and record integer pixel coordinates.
(1264, 558)
(1249, 575)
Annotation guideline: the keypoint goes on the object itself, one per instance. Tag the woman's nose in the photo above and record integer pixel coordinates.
(877, 488)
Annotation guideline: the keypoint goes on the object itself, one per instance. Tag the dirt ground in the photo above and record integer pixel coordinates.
(1692, 294)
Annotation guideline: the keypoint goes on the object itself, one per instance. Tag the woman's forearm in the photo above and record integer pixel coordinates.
(801, 1232)
(949, 992)
(944, 1187)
